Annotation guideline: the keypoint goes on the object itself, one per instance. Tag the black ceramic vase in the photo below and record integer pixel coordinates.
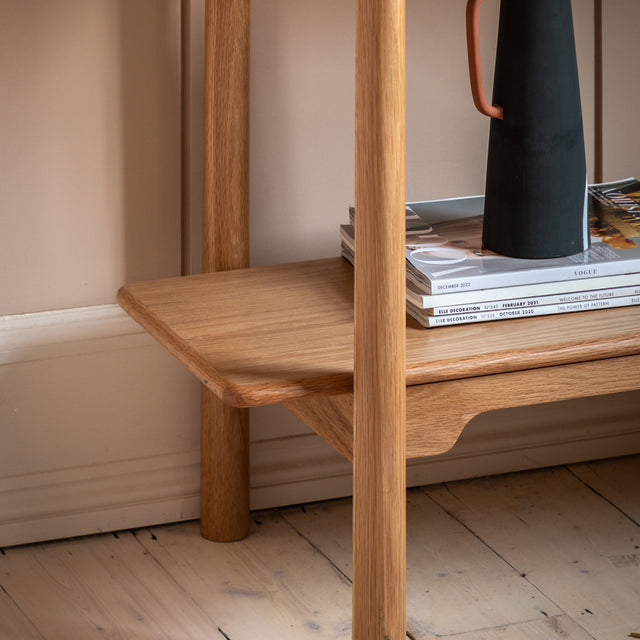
(535, 198)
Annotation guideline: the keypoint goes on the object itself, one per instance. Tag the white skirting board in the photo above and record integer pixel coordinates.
(100, 431)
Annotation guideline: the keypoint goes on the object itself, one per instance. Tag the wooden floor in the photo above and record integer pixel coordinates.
(542, 555)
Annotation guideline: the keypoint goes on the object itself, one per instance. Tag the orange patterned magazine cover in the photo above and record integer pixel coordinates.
(616, 214)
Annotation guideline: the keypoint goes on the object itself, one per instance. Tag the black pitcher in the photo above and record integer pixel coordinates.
(535, 198)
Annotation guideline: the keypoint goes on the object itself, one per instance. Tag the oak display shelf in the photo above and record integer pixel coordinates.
(284, 334)
(272, 334)
(333, 343)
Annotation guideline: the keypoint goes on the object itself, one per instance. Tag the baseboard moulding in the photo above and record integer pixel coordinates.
(101, 433)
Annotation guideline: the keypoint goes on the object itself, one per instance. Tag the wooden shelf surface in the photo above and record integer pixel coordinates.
(270, 334)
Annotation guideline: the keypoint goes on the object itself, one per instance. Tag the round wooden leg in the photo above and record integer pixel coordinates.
(224, 485)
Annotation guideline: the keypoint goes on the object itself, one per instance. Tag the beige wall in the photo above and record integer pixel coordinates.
(621, 89)
(89, 133)
(99, 425)
(90, 169)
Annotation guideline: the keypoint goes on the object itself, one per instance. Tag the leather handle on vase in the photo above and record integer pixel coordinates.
(475, 69)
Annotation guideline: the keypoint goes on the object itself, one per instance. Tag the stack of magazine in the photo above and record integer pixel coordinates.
(452, 279)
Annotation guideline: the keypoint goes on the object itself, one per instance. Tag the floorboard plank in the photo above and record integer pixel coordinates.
(272, 585)
(544, 555)
(554, 628)
(569, 542)
(454, 582)
(616, 479)
(99, 587)
(14, 625)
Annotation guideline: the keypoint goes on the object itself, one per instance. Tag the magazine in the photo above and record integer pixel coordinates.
(416, 295)
(540, 301)
(430, 321)
(444, 249)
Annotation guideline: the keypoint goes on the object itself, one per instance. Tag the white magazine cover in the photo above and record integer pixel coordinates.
(445, 254)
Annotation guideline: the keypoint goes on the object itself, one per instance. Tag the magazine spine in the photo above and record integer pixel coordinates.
(550, 274)
(507, 314)
(539, 301)
(516, 292)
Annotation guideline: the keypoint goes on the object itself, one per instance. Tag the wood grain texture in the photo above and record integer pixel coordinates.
(224, 501)
(290, 580)
(588, 566)
(97, 587)
(269, 334)
(551, 628)
(331, 417)
(379, 557)
(14, 623)
(616, 480)
(224, 470)
(429, 430)
(272, 585)
(437, 413)
(456, 583)
(226, 136)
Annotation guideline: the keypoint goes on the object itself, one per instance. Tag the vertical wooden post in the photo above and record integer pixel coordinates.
(379, 587)
(225, 430)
